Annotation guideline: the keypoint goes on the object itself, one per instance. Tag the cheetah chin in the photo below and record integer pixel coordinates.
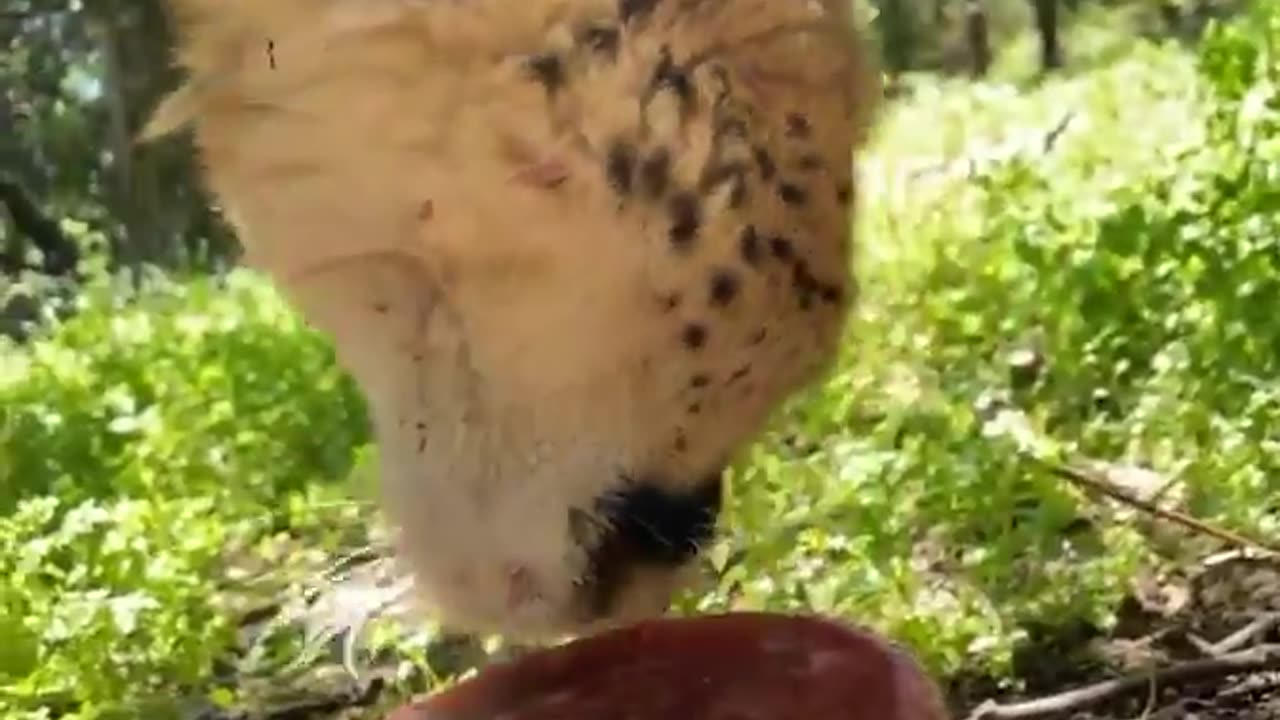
(574, 252)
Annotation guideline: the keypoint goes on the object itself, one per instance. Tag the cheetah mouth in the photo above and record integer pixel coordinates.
(642, 525)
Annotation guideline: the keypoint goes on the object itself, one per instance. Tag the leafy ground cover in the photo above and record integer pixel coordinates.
(1075, 272)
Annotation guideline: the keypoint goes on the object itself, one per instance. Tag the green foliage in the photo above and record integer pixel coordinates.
(201, 385)
(143, 442)
(1106, 296)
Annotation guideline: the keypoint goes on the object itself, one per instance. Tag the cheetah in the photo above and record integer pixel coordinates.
(574, 253)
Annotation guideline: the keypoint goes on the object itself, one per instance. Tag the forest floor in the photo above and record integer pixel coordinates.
(1199, 644)
(1204, 645)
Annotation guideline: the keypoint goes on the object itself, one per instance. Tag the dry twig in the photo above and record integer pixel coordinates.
(1096, 482)
(1256, 659)
(1261, 625)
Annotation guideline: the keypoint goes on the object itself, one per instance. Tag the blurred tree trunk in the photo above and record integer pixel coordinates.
(898, 33)
(155, 189)
(1046, 13)
(133, 46)
(978, 32)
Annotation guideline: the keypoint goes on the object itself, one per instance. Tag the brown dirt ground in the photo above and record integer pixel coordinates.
(1166, 621)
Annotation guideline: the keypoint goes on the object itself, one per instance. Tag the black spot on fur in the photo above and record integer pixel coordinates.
(768, 168)
(798, 126)
(629, 10)
(381, 308)
(843, 193)
(620, 165)
(749, 245)
(694, 408)
(724, 287)
(809, 162)
(739, 374)
(781, 247)
(681, 442)
(758, 337)
(730, 126)
(830, 294)
(655, 172)
(686, 217)
(548, 69)
(732, 173)
(792, 194)
(805, 285)
(670, 301)
(694, 336)
(700, 380)
(670, 76)
(600, 38)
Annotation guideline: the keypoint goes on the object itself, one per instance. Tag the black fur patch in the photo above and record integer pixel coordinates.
(644, 523)
(548, 69)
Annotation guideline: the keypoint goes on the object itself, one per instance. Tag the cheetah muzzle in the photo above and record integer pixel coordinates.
(574, 252)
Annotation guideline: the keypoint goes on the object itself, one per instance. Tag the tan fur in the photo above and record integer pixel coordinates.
(394, 166)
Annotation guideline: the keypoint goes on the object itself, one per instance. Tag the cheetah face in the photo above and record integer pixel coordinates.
(574, 252)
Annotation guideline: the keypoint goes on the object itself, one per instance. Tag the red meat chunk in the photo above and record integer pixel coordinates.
(737, 666)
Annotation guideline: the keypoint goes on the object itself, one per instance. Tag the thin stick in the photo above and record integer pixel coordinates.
(1095, 481)
(1256, 659)
(1264, 623)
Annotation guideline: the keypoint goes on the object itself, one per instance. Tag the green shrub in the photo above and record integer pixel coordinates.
(200, 385)
(146, 441)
